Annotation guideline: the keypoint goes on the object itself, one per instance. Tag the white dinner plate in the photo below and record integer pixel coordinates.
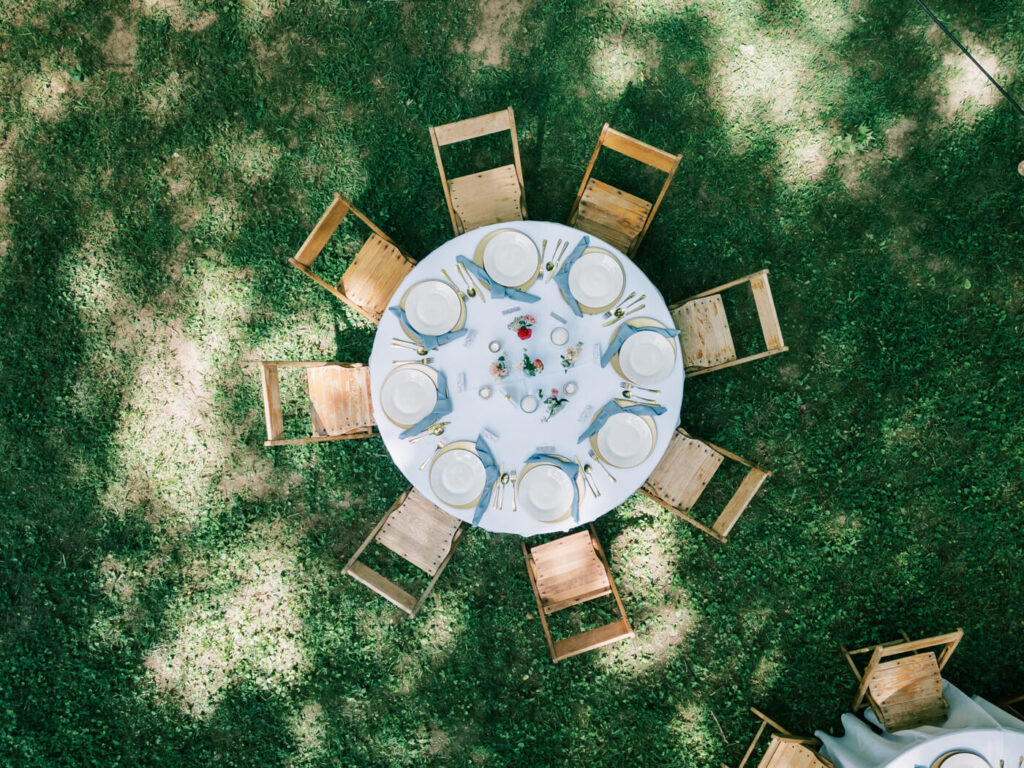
(545, 492)
(457, 476)
(625, 440)
(408, 395)
(432, 307)
(511, 258)
(647, 358)
(596, 280)
(961, 760)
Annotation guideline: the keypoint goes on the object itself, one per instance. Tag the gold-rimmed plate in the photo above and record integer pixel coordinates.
(441, 287)
(408, 394)
(596, 281)
(457, 475)
(509, 257)
(961, 759)
(544, 491)
(644, 381)
(626, 440)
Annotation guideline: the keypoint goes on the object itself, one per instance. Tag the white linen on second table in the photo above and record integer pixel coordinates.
(466, 362)
(973, 725)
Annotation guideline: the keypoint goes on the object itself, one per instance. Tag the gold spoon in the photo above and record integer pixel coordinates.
(469, 286)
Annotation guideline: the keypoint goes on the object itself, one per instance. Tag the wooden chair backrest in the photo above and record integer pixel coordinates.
(637, 150)
(879, 653)
(474, 128)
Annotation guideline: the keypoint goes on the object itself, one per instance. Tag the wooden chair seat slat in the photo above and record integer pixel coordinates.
(374, 275)
(592, 638)
(339, 398)
(489, 197)
(784, 749)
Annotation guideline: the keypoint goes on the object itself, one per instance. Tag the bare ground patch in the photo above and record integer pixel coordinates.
(499, 23)
(121, 45)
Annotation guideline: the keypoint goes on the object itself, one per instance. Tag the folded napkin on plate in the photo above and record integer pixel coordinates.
(490, 477)
(625, 331)
(429, 341)
(611, 408)
(571, 468)
(497, 290)
(562, 275)
(442, 407)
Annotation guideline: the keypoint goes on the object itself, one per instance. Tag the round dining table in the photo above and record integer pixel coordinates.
(522, 372)
(976, 734)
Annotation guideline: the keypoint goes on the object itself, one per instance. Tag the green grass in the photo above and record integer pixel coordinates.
(171, 590)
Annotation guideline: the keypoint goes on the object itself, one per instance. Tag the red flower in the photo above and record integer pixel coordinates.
(524, 333)
(538, 363)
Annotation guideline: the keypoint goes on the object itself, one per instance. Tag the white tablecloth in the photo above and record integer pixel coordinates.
(520, 434)
(973, 725)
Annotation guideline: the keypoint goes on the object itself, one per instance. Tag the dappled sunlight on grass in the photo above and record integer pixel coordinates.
(964, 92)
(618, 63)
(236, 618)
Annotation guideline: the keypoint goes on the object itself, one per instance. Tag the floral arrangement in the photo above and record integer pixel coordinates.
(499, 368)
(523, 326)
(570, 355)
(553, 402)
(531, 366)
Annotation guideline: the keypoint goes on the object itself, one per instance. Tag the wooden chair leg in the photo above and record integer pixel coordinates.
(536, 595)
(439, 571)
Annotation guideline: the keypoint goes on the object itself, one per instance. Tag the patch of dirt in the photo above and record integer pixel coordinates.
(617, 62)
(898, 137)
(853, 169)
(498, 24)
(122, 43)
(46, 95)
(182, 20)
(962, 80)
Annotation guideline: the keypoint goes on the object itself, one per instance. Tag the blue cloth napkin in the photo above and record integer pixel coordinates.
(442, 407)
(562, 275)
(490, 477)
(611, 408)
(426, 339)
(571, 468)
(625, 331)
(497, 290)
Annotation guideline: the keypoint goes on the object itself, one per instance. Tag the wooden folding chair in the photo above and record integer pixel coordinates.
(704, 328)
(375, 272)
(339, 401)
(490, 196)
(1014, 705)
(904, 692)
(685, 471)
(418, 531)
(569, 571)
(785, 750)
(617, 217)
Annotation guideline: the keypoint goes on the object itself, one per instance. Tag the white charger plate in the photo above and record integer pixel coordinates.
(408, 394)
(647, 358)
(961, 760)
(432, 307)
(626, 440)
(457, 475)
(511, 258)
(544, 492)
(596, 280)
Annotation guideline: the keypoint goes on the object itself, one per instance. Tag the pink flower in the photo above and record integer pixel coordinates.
(554, 393)
(530, 319)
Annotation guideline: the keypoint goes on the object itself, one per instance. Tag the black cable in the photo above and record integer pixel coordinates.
(968, 54)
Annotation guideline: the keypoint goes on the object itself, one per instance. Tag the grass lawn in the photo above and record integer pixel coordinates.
(170, 590)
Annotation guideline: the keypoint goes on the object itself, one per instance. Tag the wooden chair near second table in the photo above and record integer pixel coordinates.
(685, 471)
(568, 571)
(904, 692)
(339, 401)
(704, 328)
(418, 531)
(784, 750)
(488, 197)
(617, 217)
(375, 272)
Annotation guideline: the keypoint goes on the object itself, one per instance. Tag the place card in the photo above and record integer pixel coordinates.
(470, 335)
(510, 311)
(491, 433)
(559, 318)
(460, 382)
(587, 413)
